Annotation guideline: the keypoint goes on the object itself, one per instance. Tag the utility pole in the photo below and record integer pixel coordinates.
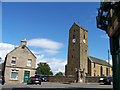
(108, 19)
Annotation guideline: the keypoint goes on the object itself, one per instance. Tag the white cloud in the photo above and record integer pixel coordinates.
(4, 49)
(50, 51)
(55, 64)
(36, 53)
(110, 61)
(45, 43)
(48, 46)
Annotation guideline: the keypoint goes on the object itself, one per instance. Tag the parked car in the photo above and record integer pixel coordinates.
(43, 79)
(101, 80)
(34, 80)
(2, 80)
(106, 80)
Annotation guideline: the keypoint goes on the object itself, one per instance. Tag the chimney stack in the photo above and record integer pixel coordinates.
(23, 42)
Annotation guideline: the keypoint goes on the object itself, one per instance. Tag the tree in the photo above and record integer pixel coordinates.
(59, 74)
(43, 69)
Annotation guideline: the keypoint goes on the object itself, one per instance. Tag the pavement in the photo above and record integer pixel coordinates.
(57, 86)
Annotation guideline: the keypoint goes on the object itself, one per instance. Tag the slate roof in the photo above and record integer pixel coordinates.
(19, 47)
(99, 61)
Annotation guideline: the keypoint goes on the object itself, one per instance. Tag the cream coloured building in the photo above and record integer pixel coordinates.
(98, 67)
(19, 64)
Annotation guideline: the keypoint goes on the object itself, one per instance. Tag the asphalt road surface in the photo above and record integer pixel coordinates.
(57, 86)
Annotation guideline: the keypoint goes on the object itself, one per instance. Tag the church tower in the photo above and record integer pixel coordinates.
(77, 51)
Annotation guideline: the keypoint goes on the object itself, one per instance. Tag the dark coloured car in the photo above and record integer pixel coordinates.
(2, 80)
(101, 80)
(106, 80)
(34, 80)
(43, 79)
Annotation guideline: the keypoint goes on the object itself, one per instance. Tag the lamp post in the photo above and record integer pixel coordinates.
(108, 19)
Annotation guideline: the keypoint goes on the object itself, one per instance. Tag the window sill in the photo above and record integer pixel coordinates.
(13, 79)
(28, 66)
(13, 64)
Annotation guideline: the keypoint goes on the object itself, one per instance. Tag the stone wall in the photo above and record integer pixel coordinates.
(92, 79)
(62, 79)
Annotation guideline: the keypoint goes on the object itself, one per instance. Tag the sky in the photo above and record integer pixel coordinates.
(46, 26)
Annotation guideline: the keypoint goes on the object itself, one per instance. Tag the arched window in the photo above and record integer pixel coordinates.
(84, 36)
(106, 71)
(101, 71)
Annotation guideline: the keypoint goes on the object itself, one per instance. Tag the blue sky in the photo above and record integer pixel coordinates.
(50, 22)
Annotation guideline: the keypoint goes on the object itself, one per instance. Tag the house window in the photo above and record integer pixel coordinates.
(74, 30)
(73, 36)
(73, 49)
(101, 71)
(94, 72)
(72, 56)
(13, 61)
(14, 74)
(29, 61)
(23, 47)
(84, 36)
(106, 71)
(94, 65)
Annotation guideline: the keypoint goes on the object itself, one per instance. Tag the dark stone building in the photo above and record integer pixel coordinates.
(79, 63)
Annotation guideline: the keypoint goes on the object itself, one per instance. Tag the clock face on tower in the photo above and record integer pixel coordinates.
(84, 41)
(73, 40)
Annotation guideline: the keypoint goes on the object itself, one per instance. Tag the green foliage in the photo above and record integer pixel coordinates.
(43, 69)
(59, 74)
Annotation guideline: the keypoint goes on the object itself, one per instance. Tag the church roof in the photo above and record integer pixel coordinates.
(98, 61)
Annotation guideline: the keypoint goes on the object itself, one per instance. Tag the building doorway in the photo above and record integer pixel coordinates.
(26, 76)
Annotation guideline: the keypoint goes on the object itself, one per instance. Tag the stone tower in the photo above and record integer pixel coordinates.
(77, 51)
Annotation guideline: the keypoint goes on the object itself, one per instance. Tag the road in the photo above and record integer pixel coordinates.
(57, 86)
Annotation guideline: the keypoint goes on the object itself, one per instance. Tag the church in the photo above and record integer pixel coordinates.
(79, 63)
